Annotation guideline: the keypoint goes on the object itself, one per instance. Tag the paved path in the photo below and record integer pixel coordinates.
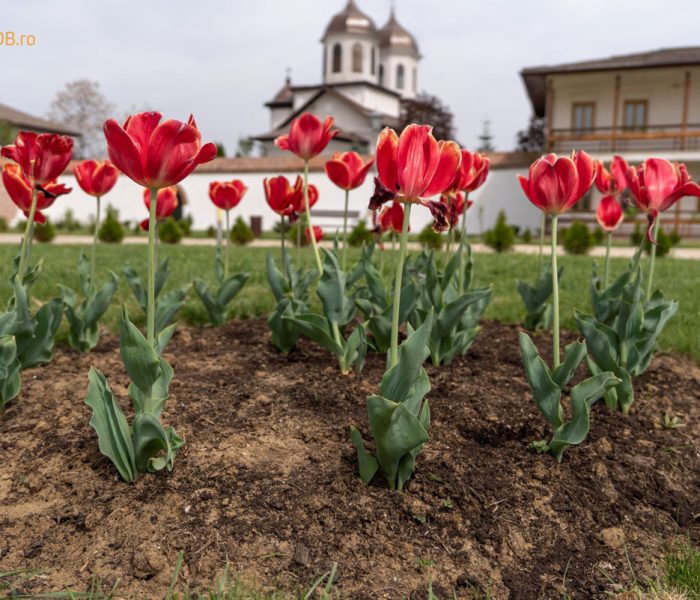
(619, 251)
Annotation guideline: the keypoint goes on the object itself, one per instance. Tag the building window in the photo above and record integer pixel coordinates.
(583, 117)
(400, 77)
(337, 58)
(373, 56)
(381, 74)
(357, 58)
(415, 80)
(635, 114)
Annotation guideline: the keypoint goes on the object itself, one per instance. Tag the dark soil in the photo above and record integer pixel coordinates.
(268, 479)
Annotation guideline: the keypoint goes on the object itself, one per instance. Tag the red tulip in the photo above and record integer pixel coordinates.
(472, 172)
(307, 136)
(299, 207)
(555, 184)
(318, 233)
(413, 167)
(43, 157)
(96, 178)
(166, 204)
(391, 218)
(615, 180)
(347, 170)
(280, 195)
(227, 194)
(19, 189)
(609, 213)
(285, 200)
(657, 185)
(154, 154)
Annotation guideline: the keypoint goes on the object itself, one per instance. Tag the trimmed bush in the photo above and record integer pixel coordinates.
(502, 237)
(169, 231)
(186, 225)
(429, 238)
(3, 225)
(211, 231)
(111, 230)
(296, 233)
(598, 235)
(664, 243)
(44, 232)
(360, 235)
(526, 236)
(577, 239)
(240, 233)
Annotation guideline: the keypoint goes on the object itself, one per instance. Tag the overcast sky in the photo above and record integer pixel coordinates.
(222, 59)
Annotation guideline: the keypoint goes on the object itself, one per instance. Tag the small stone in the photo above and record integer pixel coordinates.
(604, 446)
(301, 555)
(613, 537)
(147, 561)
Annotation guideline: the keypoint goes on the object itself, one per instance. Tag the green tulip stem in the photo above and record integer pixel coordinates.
(555, 295)
(345, 229)
(93, 258)
(653, 259)
(397, 287)
(151, 302)
(312, 235)
(283, 235)
(543, 226)
(27, 239)
(606, 269)
(228, 245)
(463, 241)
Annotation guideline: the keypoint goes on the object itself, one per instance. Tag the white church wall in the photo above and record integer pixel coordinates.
(391, 61)
(501, 191)
(346, 73)
(278, 115)
(373, 99)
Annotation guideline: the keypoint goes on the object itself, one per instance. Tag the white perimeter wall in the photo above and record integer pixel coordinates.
(501, 191)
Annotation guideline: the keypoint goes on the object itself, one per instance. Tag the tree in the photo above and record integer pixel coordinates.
(532, 138)
(82, 106)
(220, 150)
(485, 138)
(7, 133)
(425, 108)
(245, 146)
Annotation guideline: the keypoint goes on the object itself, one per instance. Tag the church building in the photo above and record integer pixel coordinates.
(367, 72)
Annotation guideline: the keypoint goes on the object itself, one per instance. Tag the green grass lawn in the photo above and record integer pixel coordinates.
(677, 278)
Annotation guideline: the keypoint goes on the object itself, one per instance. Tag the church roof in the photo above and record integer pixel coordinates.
(395, 36)
(23, 120)
(535, 77)
(284, 97)
(351, 20)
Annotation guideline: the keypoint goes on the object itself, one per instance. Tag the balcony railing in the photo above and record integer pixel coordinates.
(658, 138)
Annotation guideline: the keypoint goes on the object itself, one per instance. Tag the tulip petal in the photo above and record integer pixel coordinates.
(448, 165)
(123, 152)
(418, 159)
(387, 156)
(339, 173)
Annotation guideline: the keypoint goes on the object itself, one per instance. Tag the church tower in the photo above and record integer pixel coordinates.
(350, 47)
(399, 58)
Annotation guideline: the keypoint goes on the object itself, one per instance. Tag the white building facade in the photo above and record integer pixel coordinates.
(636, 105)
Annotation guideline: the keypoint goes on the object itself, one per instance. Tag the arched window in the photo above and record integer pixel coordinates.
(381, 74)
(374, 60)
(357, 58)
(337, 58)
(400, 77)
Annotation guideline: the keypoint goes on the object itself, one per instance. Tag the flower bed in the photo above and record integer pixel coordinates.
(268, 478)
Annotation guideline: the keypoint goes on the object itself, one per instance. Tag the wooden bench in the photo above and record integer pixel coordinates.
(332, 220)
